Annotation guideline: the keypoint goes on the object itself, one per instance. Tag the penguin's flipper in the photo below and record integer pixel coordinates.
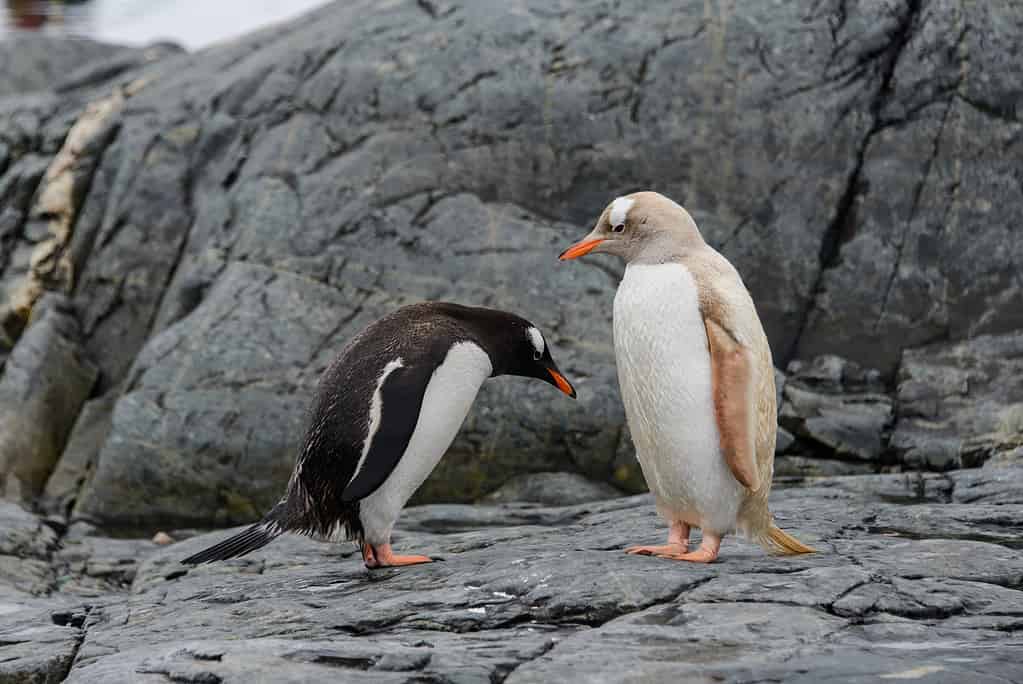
(401, 398)
(734, 406)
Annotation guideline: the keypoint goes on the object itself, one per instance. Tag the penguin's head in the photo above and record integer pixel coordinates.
(523, 351)
(642, 226)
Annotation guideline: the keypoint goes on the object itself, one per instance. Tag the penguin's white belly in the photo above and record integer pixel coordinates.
(448, 398)
(664, 371)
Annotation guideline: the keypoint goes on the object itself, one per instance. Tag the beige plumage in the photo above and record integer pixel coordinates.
(696, 374)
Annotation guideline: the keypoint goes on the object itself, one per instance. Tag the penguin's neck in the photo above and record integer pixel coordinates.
(665, 248)
(490, 334)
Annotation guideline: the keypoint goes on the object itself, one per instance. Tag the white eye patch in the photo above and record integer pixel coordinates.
(536, 338)
(619, 210)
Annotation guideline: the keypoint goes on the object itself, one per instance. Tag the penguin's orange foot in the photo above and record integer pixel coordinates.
(678, 542)
(382, 557)
(700, 555)
(667, 549)
(707, 553)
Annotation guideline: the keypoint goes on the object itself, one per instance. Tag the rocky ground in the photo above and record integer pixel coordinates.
(918, 577)
(186, 240)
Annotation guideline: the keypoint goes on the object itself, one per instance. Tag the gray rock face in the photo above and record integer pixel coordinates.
(960, 404)
(79, 458)
(906, 265)
(45, 382)
(905, 585)
(553, 489)
(34, 62)
(838, 410)
(855, 160)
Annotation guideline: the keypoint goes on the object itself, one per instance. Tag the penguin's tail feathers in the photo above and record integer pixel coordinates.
(777, 541)
(254, 537)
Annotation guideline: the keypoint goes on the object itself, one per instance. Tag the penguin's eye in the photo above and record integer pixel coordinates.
(619, 228)
(537, 355)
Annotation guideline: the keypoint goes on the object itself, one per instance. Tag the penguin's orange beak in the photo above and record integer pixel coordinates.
(561, 383)
(580, 248)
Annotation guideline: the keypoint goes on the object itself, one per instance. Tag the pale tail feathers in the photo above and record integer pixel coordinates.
(255, 537)
(776, 541)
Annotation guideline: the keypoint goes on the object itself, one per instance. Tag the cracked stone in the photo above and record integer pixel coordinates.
(959, 404)
(539, 593)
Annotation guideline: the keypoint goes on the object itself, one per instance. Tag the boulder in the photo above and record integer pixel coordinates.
(45, 382)
(856, 161)
(838, 409)
(32, 62)
(960, 404)
(923, 247)
(78, 459)
(553, 489)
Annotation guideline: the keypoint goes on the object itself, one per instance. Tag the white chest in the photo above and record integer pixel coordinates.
(446, 402)
(664, 370)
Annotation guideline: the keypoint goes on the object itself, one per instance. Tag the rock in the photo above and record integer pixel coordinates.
(830, 373)
(783, 441)
(796, 466)
(79, 457)
(95, 566)
(17, 186)
(432, 162)
(432, 656)
(234, 396)
(227, 397)
(837, 407)
(554, 489)
(927, 262)
(30, 62)
(959, 404)
(902, 581)
(26, 544)
(987, 485)
(36, 647)
(45, 382)
(907, 488)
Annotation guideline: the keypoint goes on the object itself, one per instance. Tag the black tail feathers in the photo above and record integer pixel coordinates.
(246, 541)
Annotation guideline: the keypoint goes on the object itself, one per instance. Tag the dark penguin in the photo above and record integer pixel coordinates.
(385, 412)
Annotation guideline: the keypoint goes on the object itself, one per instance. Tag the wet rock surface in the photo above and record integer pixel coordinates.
(908, 582)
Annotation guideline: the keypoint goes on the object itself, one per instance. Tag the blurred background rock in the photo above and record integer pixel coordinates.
(190, 23)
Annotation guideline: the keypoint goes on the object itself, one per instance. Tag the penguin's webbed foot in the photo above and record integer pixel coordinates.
(666, 549)
(707, 553)
(383, 557)
(678, 542)
(700, 555)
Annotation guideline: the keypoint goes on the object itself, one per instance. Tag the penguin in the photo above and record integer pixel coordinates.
(696, 378)
(385, 411)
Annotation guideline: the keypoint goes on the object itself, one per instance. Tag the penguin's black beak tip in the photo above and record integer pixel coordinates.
(561, 383)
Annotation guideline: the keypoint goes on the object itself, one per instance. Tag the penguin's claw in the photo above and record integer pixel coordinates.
(667, 549)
